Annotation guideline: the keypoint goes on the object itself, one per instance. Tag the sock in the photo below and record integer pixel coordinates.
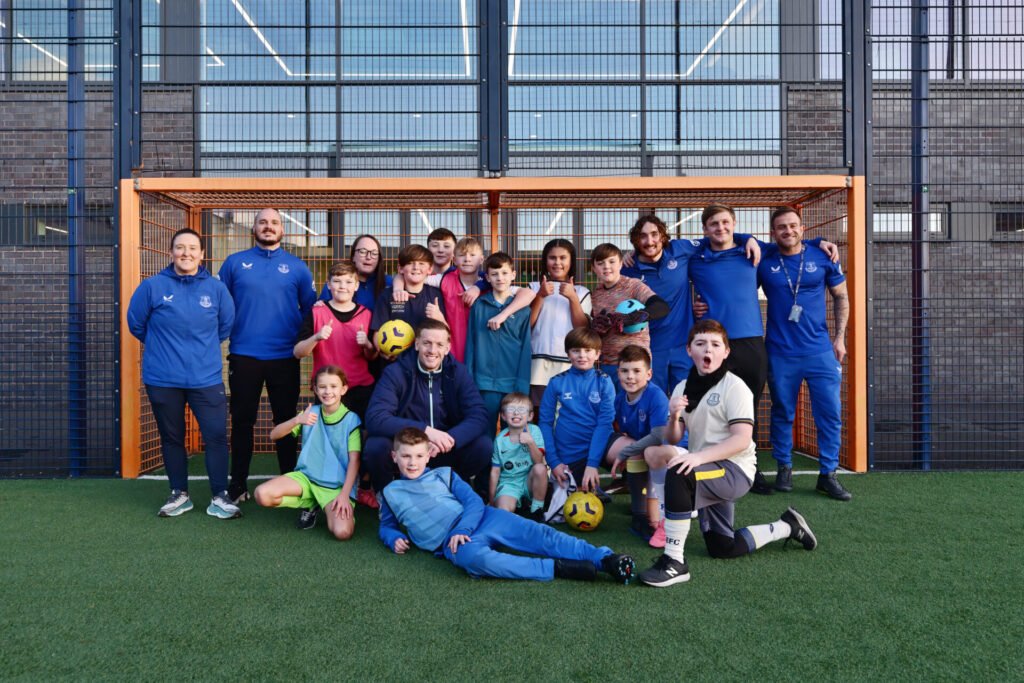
(675, 537)
(536, 505)
(636, 479)
(657, 488)
(763, 534)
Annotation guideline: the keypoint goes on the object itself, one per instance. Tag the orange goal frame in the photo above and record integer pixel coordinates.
(837, 201)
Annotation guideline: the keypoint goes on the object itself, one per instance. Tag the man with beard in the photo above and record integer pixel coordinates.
(273, 291)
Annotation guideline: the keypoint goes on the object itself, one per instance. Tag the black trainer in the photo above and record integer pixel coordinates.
(238, 493)
(536, 515)
(619, 567)
(640, 526)
(761, 486)
(577, 570)
(799, 530)
(307, 518)
(665, 572)
(830, 486)
(784, 480)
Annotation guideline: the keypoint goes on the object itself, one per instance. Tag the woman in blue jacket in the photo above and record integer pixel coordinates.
(182, 315)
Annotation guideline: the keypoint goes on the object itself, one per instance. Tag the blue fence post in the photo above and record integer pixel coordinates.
(921, 385)
(76, 376)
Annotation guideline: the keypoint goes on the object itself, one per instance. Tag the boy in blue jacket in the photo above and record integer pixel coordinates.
(442, 514)
(577, 412)
(498, 353)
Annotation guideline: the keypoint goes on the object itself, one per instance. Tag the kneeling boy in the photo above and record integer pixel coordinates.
(443, 515)
(718, 410)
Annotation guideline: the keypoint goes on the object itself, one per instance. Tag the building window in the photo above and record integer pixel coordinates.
(895, 222)
(1009, 221)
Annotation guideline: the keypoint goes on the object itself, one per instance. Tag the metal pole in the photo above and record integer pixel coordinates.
(76, 375)
(921, 343)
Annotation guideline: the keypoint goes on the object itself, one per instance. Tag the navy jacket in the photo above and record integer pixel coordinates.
(182, 319)
(405, 396)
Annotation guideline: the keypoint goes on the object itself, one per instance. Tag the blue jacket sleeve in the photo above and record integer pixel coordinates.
(472, 507)
(307, 291)
(224, 274)
(388, 530)
(225, 314)
(546, 422)
(382, 413)
(138, 311)
(603, 429)
(474, 413)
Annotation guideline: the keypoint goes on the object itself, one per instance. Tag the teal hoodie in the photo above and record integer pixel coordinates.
(498, 360)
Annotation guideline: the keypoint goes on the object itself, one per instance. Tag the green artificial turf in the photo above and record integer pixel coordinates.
(918, 578)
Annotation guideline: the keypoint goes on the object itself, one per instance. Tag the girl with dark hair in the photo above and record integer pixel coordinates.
(560, 305)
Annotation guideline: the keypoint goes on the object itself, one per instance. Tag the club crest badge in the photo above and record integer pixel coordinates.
(695, 243)
(714, 399)
(283, 268)
(205, 301)
(595, 396)
(810, 268)
(642, 415)
(672, 264)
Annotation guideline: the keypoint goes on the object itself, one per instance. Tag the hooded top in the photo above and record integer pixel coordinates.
(181, 320)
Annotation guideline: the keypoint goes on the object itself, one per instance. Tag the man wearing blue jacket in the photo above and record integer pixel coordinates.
(431, 391)
(272, 290)
(182, 315)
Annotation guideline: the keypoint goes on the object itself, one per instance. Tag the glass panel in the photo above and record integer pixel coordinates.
(39, 51)
(422, 117)
(996, 49)
(565, 117)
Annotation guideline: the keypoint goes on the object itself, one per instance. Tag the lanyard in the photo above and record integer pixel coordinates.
(799, 272)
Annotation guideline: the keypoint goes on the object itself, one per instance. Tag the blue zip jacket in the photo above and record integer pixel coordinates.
(576, 416)
(406, 396)
(181, 319)
(273, 291)
(498, 360)
(433, 507)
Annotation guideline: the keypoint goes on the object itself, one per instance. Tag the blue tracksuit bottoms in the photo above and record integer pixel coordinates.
(823, 375)
(670, 367)
(479, 558)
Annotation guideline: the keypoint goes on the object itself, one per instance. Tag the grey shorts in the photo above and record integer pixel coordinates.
(719, 485)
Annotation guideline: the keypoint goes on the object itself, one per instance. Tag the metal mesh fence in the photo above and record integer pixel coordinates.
(947, 359)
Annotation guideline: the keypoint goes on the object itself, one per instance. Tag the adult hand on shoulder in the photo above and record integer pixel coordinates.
(495, 322)
(318, 303)
(455, 541)
(398, 294)
(442, 440)
(401, 545)
(628, 258)
(753, 251)
(832, 250)
(700, 307)
(325, 332)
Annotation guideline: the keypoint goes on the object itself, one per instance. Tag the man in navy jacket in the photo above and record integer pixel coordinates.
(431, 391)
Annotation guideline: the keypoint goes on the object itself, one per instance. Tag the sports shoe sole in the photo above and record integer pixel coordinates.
(180, 510)
(625, 569)
(844, 499)
(220, 513)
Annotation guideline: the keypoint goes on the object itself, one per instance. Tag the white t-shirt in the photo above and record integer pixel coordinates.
(727, 403)
(554, 322)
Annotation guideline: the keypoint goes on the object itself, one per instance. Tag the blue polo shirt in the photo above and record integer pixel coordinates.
(638, 418)
(810, 335)
(727, 281)
(669, 278)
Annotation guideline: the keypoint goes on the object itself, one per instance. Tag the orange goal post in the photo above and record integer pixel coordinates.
(516, 215)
